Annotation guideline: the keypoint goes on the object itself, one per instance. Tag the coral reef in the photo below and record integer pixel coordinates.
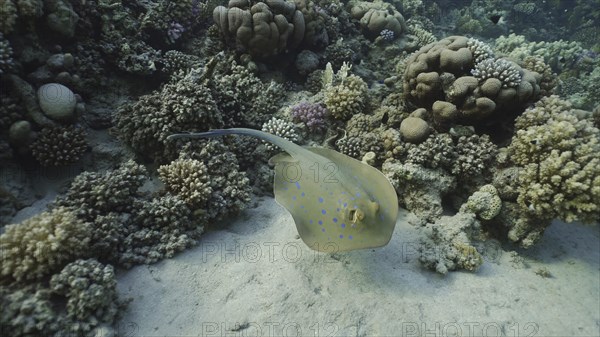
(375, 17)
(310, 114)
(281, 128)
(186, 105)
(189, 180)
(159, 228)
(6, 60)
(447, 244)
(485, 203)
(559, 151)
(90, 290)
(272, 27)
(243, 99)
(42, 244)
(441, 72)
(59, 145)
(420, 189)
(230, 186)
(92, 194)
(347, 96)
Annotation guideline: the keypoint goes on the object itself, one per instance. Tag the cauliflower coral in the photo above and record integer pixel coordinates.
(559, 150)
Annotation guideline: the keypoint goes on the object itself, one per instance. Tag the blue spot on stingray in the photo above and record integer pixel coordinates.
(330, 193)
(334, 219)
(337, 209)
(358, 195)
(345, 204)
(343, 225)
(323, 211)
(352, 199)
(344, 192)
(341, 236)
(301, 206)
(298, 185)
(340, 201)
(349, 237)
(302, 194)
(310, 221)
(323, 230)
(355, 206)
(294, 197)
(321, 200)
(320, 222)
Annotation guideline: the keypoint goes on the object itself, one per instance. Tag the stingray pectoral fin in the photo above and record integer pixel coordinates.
(282, 157)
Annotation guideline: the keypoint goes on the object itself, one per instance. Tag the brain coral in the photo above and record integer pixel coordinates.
(559, 151)
(441, 71)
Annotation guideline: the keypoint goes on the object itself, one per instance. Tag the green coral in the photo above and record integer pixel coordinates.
(42, 244)
(559, 151)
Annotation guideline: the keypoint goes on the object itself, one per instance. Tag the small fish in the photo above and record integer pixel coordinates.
(337, 202)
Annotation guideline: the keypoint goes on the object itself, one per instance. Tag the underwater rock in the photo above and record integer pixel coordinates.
(57, 101)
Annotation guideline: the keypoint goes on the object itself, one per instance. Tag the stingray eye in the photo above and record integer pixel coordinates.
(352, 215)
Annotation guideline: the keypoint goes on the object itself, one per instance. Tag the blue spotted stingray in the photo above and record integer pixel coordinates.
(337, 202)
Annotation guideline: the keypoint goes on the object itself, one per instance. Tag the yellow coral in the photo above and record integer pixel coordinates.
(347, 98)
(559, 150)
(187, 178)
(42, 244)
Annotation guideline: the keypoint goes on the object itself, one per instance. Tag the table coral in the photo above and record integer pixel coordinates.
(559, 150)
(42, 244)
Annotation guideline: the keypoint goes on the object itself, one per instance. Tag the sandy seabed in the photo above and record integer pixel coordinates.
(257, 278)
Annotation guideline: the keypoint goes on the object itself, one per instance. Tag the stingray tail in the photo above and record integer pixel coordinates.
(207, 134)
(285, 144)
